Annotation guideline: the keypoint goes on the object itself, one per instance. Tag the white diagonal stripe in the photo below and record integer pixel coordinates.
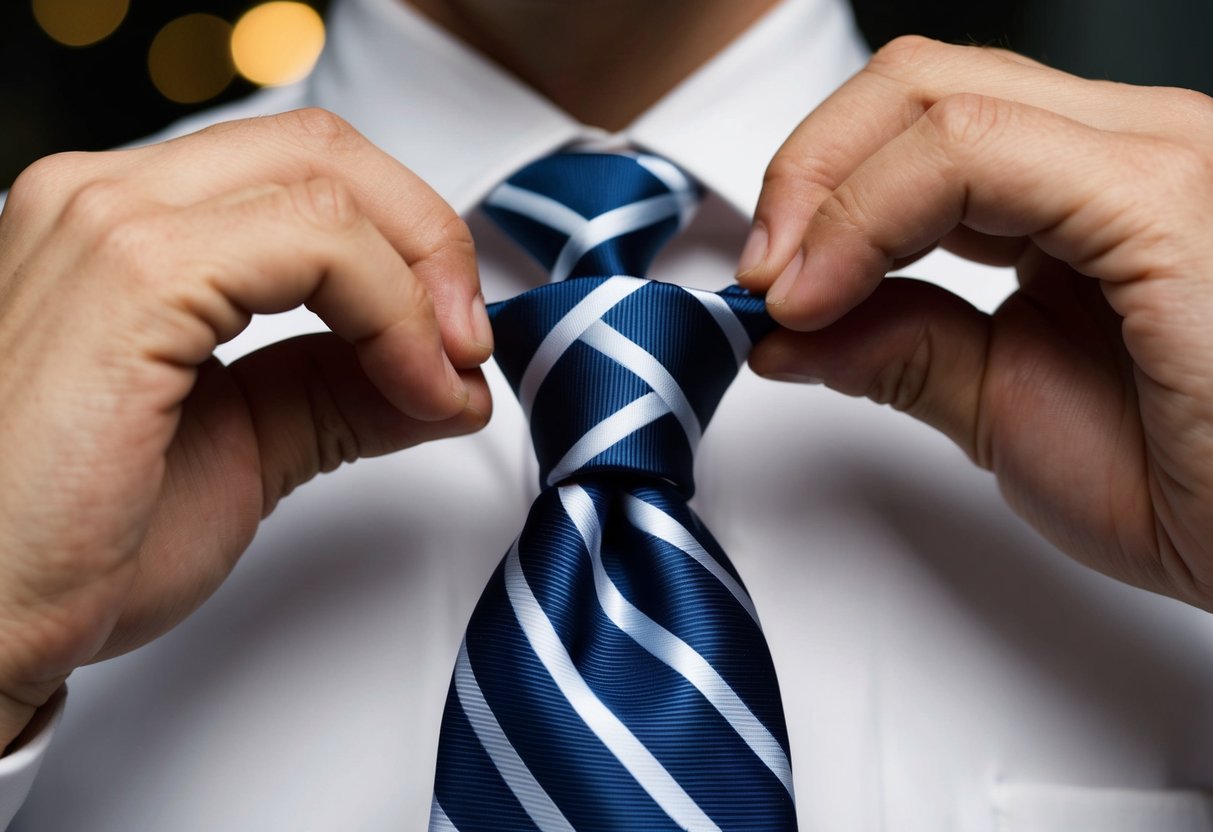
(538, 207)
(614, 223)
(676, 180)
(568, 329)
(618, 426)
(672, 176)
(681, 657)
(617, 346)
(646, 769)
(534, 800)
(728, 322)
(648, 518)
(439, 822)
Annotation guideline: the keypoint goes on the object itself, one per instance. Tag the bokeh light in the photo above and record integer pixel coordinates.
(278, 42)
(80, 22)
(190, 60)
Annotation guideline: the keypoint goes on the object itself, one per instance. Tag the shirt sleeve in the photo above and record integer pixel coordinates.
(18, 769)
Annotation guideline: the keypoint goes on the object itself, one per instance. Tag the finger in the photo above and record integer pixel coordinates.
(904, 80)
(269, 249)
(1018, 394)
(313, 143)
(313, 408)
(283, 150)
(912, 345)
(1000, 169)
(251, 433)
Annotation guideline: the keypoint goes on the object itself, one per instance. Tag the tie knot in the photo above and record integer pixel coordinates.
(594, 214)
(621, 374)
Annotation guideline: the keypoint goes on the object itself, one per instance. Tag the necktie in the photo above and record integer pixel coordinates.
(614, 675)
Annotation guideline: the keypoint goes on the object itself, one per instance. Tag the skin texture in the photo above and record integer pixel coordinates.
(1089, 392)
(136, 467)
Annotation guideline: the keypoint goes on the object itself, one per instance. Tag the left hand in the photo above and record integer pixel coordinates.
(1089, 392)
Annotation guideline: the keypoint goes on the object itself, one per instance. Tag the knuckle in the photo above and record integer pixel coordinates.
(1176, 171)
(452, 241)
(797, 175)
(418, 302)
(903, 384)
(129, 243)
(96, 207)
(453, 231)
(325, 202)
(319, 128)
(45, 178)
(104, 215)
(415, 315)
(337, 441)
(783, 168)
(903, 53)
(845, 208)
(968, 119)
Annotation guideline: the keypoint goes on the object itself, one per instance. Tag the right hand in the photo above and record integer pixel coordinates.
(135, 467)
(1089, 392)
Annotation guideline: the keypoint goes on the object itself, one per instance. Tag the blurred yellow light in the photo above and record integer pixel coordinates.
(278, 42)
(189, 60)
(80, 22)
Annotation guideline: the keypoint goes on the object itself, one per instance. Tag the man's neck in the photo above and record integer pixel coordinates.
(602, 61)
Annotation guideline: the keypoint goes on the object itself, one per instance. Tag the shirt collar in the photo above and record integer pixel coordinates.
(463, 124)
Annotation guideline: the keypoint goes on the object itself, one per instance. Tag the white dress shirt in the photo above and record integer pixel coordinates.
(942, 667)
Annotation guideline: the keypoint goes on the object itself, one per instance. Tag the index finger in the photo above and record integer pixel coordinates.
(419, 223)
(307, 144)
(901, 82)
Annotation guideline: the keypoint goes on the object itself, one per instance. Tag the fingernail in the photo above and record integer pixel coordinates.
(797, 378)
(754, 250)
(782, 287)
(482, 329)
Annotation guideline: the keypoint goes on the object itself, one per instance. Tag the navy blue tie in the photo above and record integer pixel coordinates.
(614, 675)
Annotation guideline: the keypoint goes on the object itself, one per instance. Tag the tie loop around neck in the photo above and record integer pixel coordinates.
(617, 374)
(593, 214)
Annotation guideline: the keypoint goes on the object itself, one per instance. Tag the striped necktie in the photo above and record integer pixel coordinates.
(614, 675)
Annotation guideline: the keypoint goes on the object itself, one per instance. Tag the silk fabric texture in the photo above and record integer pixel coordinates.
(614, 675)
(942, 668)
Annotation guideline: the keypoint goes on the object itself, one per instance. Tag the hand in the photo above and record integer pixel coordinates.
(1089, 392)
(136, 467)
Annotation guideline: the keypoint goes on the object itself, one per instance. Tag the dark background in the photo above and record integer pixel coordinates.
(55, 98)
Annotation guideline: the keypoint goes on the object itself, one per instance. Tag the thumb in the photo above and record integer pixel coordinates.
(911, 345)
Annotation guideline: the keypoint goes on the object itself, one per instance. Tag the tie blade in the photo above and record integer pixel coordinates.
(593, 214)
(628, 740)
